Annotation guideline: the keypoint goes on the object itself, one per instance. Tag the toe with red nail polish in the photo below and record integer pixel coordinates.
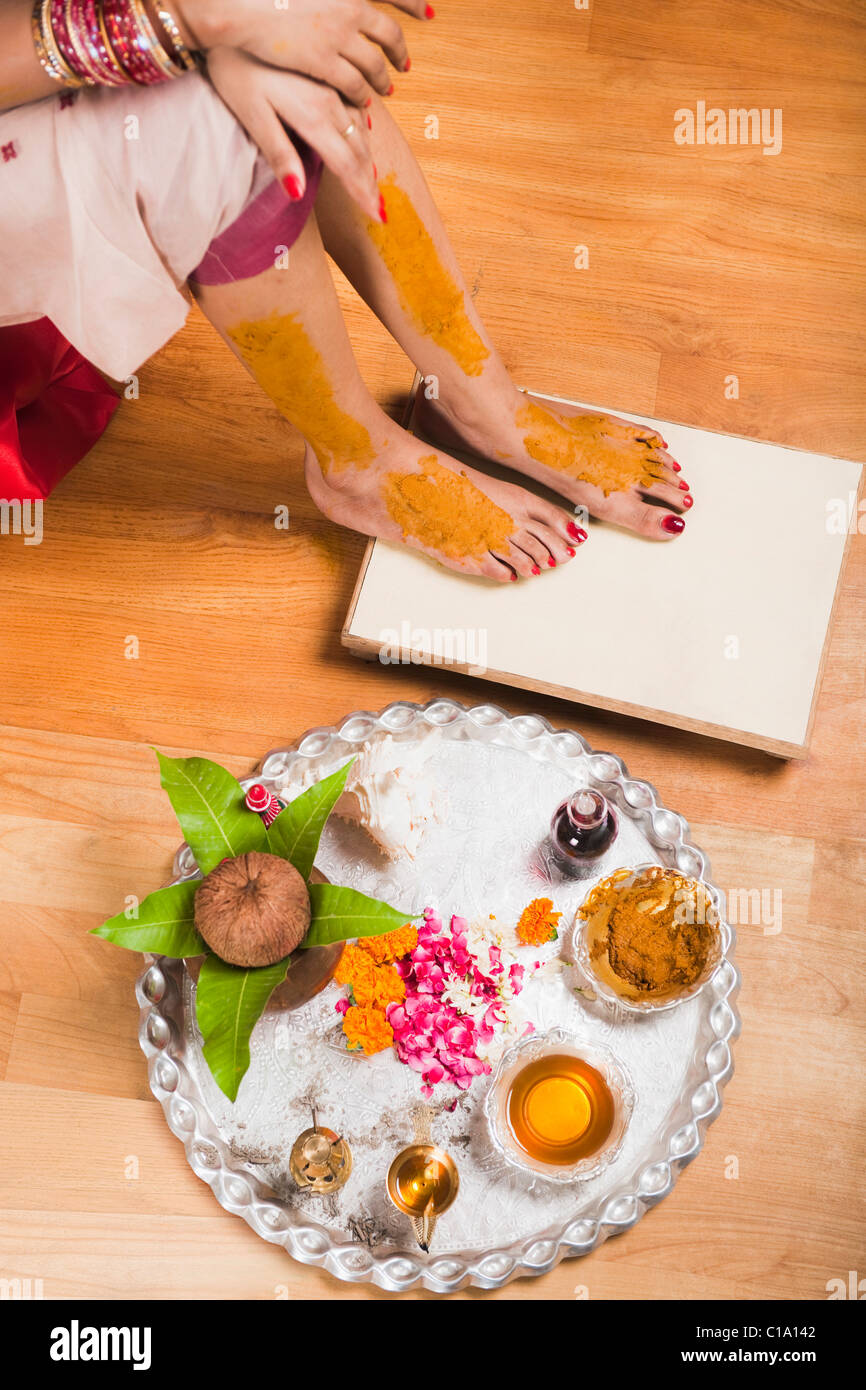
(688, 502)
(536, 570)
(675, 466)
(673, 524)
(551, 562)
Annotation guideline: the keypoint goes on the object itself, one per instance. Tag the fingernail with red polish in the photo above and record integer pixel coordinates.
(429, 12)
(673, 524)
(551, 562)
(688, 502)
(675, 466)
(293, 188)
(536, 570)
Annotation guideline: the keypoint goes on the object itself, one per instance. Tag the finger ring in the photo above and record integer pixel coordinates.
(350, 130)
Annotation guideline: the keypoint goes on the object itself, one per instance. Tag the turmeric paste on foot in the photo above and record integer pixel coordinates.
(581, 446)
(290, 369)
(446, 512)
(428, 292)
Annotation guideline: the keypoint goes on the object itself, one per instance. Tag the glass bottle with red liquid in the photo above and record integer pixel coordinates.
(583, 827)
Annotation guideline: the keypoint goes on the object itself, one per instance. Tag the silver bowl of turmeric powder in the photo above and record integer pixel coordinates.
(648, 937)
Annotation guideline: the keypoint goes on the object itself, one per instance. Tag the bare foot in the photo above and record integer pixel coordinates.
(463, 519)
(608, 465)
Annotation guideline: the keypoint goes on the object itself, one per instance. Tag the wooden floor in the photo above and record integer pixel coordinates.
(555, 131)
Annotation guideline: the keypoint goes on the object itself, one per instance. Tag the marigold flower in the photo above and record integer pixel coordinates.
(379, 989)
(538, 923)
(354, 967)
(392, 945)
(367, 1030)
(389, 988)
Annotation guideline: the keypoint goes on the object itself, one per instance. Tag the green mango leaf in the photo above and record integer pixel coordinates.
(165, 924)
(209, 804)
(228, 1004)
(296, 832)
(339, 914)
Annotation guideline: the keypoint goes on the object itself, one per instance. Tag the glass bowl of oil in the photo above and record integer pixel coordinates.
(559, 1106)
(659, 948)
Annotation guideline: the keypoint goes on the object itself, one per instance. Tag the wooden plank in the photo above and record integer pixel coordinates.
(8, 1015)
(770, 37)
(91, 1044)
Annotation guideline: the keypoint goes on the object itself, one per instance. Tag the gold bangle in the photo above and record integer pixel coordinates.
(155, 49)
(181, 52)
(47, 49)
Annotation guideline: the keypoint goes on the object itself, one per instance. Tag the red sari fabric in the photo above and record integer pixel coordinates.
(53, 407)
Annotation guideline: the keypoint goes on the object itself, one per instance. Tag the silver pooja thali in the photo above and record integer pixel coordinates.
(501, 778)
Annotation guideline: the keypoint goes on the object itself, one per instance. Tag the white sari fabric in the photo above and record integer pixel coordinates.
(109, 198)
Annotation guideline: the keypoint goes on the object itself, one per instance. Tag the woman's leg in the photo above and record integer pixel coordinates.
(362, 470)
(407, 272)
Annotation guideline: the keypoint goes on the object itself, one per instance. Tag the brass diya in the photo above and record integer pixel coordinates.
(320, 1160)
(423, 1183)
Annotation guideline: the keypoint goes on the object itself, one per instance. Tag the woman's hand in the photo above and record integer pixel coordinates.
(340, 42)
(266, 99)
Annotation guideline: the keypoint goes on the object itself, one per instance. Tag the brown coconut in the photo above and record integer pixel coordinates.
(253, 910)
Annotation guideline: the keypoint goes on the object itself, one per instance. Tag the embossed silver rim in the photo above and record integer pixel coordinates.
(236, 1186)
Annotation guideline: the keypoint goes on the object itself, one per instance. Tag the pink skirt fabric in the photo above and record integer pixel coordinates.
(268, 226)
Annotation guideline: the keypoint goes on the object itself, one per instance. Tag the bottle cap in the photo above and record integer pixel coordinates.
(258, 798)
(587, 809)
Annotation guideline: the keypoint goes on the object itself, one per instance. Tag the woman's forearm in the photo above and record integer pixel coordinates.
(22, 77)
(342, 44)
(41, 55)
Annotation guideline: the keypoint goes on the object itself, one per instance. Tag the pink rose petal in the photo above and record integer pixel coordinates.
(432, 1037)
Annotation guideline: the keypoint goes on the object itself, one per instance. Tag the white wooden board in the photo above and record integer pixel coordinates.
(721, 630)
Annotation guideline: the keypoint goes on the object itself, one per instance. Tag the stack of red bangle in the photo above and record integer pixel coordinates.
(106, 43)
(85, 42)
(133, 39)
